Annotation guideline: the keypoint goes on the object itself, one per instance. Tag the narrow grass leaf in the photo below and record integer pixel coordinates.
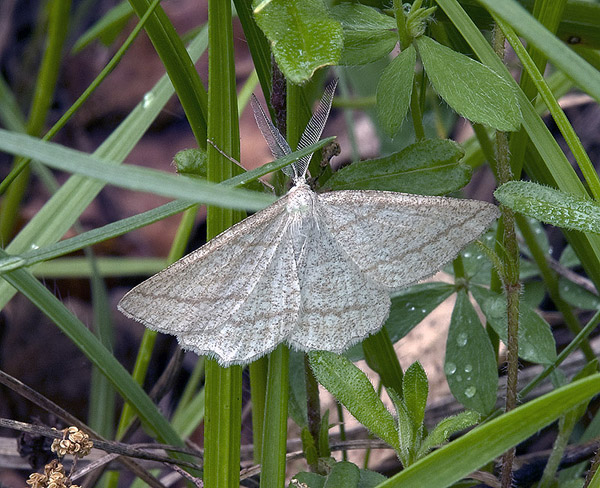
(550, 205)
(394, 90)
(470, 364)
(94, 351)
(57, 216)
(484, 443)
(107, 29)
(132, 177)
(472, 89)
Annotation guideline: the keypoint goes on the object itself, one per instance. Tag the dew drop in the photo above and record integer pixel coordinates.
(450, 368)
(462, 339)
(470, 392)
(148, 99)
(467, 254)
(34, 246)
(423, 310)
(411, 309)
(468, 368)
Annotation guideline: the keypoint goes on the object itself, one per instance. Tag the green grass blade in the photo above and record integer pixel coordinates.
(93, 349)
(129, 176)
(63, 209)
(179, 65)
(486, 442)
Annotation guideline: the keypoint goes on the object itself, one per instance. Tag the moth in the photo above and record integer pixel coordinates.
(313, 271)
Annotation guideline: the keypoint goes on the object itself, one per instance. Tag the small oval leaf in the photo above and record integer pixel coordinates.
(577, 296)
(428, 167)
(394, 90)
(472, 89)
(470, 364)
(550, 205)
(343, 475)
(368, 34)
(304, 37)
(411, 306)
(351, 387)
(536, 342)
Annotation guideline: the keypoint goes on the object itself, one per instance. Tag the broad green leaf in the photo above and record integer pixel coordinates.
(362, 47)
(370, 479)
(343, 475)
(311, 480)
(577, 296)
(351, 387)
(355, 16)
(550, 205)
(450, 425)
(472, 89)
(368, 34)
(394, 90)
(481, 445)
(475, 262)
(428, 167)
(411, 306)
(470, 364)
(415, 388)
(304, 37)
(536, 343)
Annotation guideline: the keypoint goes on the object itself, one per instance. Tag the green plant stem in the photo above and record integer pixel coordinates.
(258, 392)
(511, 284)
(415, 112)
(313, 406)
(222, 426)
(566, 129)
(567, 424)
(58, 25)
(275, 422)
(403, 33)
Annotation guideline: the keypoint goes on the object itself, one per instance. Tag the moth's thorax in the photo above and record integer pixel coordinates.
(301, 200)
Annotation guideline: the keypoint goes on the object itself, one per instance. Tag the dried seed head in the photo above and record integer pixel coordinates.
(74, 442)
(37, 480)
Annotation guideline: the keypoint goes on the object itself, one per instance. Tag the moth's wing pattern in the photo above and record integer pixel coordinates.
(206, 291)
(262, 321)
(340, 305)
(397, 239)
